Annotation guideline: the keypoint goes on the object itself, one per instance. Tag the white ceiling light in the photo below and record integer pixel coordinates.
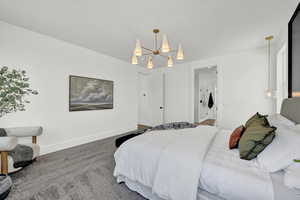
(180, 55)
(164, 51)
(165, 48)
(150, 63)
(170, 61)
(138, 48)
(134, 60)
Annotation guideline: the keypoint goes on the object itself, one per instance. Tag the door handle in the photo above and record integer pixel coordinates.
(161, 107)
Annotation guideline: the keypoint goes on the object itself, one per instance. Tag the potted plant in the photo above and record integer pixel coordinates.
(14, 88)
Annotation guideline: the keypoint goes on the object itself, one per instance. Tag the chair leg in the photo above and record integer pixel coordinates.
(4, 163)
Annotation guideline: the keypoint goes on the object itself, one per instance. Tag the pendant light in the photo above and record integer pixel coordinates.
(170, 61)
(161, 48)
(165, 48)
(150, 63)
(180, 55)
(134, 60)
(269, 92)
(138, 48)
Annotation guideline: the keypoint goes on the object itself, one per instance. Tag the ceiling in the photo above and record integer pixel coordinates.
(204, 27)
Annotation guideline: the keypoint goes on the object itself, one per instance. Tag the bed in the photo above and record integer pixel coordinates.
(196, 163)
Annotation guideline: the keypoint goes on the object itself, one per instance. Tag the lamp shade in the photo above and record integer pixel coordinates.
(170, 61)
(138, 48)
(150, 63)
(180, 55)
(165, 48)
(134, 60)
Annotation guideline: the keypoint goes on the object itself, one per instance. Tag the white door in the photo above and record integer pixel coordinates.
(143, 98)
(156, 81)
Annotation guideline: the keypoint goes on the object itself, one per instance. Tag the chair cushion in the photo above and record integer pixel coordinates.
(35, 148)
(36, 153)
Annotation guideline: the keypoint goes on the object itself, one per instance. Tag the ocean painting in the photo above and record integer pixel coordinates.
(90, 94)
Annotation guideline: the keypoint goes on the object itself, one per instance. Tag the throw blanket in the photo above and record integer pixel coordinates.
(170, 164)
(174, 125)
(22, 154)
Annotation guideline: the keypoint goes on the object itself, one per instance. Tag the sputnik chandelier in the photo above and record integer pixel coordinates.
(164, 51)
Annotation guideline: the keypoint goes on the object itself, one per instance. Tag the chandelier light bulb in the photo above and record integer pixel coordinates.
(170, 61)
(134, 60)
(180, 55)
(150, 63)
(165, 48)
(138, 48)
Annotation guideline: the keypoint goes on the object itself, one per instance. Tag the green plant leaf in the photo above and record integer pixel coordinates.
(14, 88)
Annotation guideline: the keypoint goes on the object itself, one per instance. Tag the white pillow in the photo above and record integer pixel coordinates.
(279, 120)
(292, 176)
(282, 151)
(296, 128)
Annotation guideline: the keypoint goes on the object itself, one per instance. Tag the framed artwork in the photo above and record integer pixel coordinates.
(90, 94)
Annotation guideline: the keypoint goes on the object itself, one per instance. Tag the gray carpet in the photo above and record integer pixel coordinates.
(80, 173)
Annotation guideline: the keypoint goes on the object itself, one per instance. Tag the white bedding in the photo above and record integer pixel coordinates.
(280, 190)
(168, 161)
(172, 163)
(230, 177)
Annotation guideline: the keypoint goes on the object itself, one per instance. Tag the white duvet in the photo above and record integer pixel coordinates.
(173, 163)
(230, 177)
(167, 161)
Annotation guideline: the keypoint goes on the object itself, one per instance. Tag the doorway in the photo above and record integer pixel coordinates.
(205, 85)
(151, 99)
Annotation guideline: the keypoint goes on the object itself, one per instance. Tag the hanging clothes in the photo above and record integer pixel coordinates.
(210, 101)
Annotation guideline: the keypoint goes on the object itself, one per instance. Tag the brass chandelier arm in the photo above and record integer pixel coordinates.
(147, 49)
(147, 54)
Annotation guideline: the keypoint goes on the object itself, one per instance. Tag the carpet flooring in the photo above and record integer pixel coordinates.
(80, 173)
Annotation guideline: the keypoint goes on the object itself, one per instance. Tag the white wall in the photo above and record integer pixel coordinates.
(49, 62)
(242, 81)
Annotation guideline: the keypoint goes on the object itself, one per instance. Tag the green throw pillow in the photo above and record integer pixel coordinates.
(257, 119)
(255, 139)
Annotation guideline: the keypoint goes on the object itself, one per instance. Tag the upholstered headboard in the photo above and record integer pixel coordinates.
(291, 109)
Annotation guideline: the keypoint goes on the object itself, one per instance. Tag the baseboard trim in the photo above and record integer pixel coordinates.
(46, 149)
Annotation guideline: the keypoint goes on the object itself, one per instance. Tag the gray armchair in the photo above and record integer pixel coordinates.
(9, 142)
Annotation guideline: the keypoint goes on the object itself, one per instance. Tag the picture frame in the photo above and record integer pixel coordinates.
(87, 94)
